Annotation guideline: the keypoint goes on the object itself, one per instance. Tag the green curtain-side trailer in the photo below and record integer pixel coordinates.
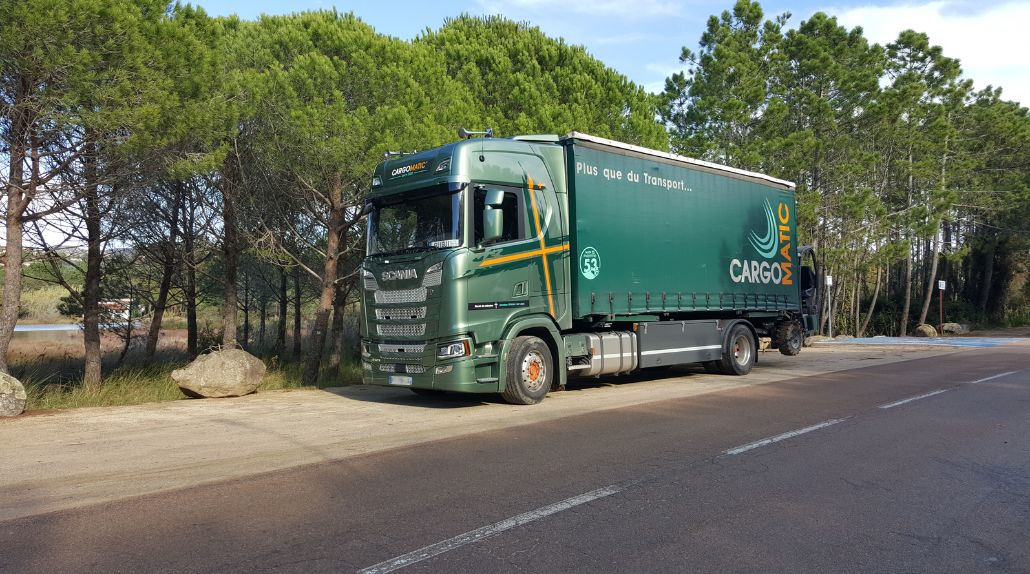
(652, 232)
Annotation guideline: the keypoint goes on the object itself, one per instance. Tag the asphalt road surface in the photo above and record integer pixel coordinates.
(919, 466)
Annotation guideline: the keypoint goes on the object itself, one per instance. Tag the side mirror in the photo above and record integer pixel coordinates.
(493, 216)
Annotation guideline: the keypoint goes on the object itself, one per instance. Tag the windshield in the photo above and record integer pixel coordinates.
(418, 224)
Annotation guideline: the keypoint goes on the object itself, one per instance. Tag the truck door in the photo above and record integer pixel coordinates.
(808, 284)
(502, 285)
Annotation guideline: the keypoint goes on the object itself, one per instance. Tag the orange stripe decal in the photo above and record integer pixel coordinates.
(542, 253)
(524, 255)
(543, 245)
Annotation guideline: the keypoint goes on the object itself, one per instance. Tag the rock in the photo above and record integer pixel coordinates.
(925, 331)
(12, 396)
(226, 373)
(809, 341)
(843, 337)
(956, 328)
(764, 343)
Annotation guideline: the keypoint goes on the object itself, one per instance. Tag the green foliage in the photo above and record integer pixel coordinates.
(894, 158)
(521, 81)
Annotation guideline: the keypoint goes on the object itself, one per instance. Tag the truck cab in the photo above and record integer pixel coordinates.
(457, 237)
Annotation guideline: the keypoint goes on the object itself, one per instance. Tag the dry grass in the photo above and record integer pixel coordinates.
(52, 373)
(39, 305)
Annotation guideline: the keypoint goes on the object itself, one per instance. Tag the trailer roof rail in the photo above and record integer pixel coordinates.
(678, 158)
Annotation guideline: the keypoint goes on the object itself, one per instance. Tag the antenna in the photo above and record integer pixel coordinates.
(466, 134)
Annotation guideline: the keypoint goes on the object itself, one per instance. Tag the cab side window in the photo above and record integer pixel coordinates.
(514, 216)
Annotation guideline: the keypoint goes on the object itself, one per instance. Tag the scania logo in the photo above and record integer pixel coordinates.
(399, 274)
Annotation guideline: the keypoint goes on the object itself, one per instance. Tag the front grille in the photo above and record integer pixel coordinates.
(412, 330)
(433, 279)
(417, 295)
(395, 349)
(402, 368)
(401, 313)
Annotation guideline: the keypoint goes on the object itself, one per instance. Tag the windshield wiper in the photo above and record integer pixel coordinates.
(410, 249)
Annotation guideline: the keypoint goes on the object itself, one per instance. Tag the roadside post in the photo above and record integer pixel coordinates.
(940, 299)
(829, 302)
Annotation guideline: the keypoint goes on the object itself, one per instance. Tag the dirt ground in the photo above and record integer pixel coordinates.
(66, 459)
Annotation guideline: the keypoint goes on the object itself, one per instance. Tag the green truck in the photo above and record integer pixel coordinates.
(510, 265)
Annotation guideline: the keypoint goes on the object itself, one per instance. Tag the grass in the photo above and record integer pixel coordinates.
(133, 385)
(52, 375)
(39, 305)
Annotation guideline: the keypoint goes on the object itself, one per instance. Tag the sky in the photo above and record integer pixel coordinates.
(642, 38)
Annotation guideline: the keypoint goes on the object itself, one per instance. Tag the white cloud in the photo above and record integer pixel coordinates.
(992, 43)
(662, 71)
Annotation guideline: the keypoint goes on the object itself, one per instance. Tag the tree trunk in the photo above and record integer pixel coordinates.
(230, 250)
(128, 336)
(903, 330)
(856, 301)
(328, 291)
(91, 289)
(336, 345)
(284, 310)
(988, 276)
(189, 288)
(12, 259)
(930, 284)
(262, 318)
(872, 305)
(246, 311)
(296, 313)
(167, 273)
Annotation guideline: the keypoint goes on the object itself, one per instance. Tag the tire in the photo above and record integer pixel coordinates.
(530, 371)
(789, 338)
(739, 351)
(712, 367)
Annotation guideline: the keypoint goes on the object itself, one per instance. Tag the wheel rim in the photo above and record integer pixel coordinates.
(795, 337)
(534, 371)
(742, 350)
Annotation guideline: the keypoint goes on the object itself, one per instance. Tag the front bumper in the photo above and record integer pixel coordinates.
(475, 374)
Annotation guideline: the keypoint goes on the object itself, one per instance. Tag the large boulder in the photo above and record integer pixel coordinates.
(226, 373)
(955, 328)
(925, 330)
(12, 396)
(809, 341)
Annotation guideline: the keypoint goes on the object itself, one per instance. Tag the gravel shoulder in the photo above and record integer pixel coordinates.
(66, 459)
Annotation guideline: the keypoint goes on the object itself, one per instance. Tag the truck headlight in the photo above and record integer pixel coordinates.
(369, 279)
(453, 350)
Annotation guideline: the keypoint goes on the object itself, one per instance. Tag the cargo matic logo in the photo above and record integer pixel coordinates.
(775, 241)
(409, 169)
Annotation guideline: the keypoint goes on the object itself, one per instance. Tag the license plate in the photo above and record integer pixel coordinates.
(399, 380)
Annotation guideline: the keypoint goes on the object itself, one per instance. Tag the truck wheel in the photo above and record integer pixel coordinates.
(738, 354)
(529, 371)
(789, 338)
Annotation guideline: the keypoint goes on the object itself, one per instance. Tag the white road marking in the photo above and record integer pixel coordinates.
(779, 437)
(490, 530)
(998, 376)
(915, 398)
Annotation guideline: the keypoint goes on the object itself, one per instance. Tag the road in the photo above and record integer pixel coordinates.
(916, 466)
